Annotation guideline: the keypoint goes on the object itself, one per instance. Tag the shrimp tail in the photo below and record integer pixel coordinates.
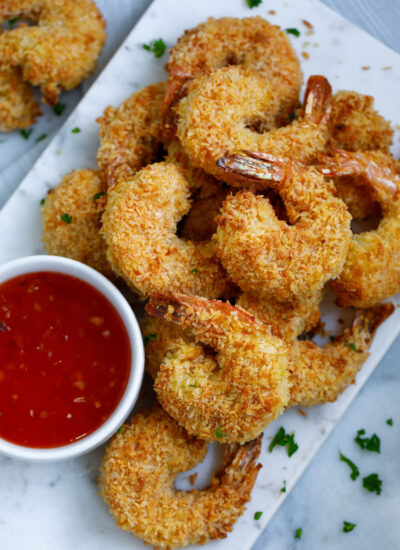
(366, 323)
(317, 100)
(240, 463)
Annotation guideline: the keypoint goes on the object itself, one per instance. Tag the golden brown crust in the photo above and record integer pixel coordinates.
(130, 135)
(75, 200)
(137, 477)
(61, 50)
(18, 108)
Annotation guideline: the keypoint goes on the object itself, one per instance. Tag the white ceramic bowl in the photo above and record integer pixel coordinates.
(57, 264)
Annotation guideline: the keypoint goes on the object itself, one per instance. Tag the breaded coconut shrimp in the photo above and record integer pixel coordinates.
(139, 225)
(355, 125)
(71, 218)
(61, 50)
(291, 261)
(220, 111)
(320, 374)
(230, 396)
(18, 108)
(137, 478)
(285, 319)
(252, 43)
(130, 135)
(371, 272)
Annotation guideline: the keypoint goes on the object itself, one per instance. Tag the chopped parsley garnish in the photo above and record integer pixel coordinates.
(332, 338)
(149, 337)
(347, 526)
(121, 429)
(389, 421)
(253, 3)
(66, 218)
(372, 443)
(157, 47)
(58, 108)
(25, 133)
(373, 484)
(293, 31)
(42, 201)
(42, 137)
(282, 438)
(97, 196)
(195, 270)
(219, 433)
(75, 130)
(11, 22)
(355, 472)
(193, 385)
(351, 345)
(298, 533)
(257, 515)
(283, 489)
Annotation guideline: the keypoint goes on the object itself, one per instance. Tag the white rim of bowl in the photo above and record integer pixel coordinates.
(58, 264)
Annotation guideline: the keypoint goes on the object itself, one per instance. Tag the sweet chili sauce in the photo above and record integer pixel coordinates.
(64, 359)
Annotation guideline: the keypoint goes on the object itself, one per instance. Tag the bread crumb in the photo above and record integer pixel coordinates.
(272, 12)
(365, 68)
(303, 413)
(305, 55)
(192, 479)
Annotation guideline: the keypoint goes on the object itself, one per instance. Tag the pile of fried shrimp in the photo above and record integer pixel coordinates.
(225, 199)
(53, 44)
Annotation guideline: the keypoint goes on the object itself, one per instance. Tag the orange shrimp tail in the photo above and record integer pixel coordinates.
(317, 100)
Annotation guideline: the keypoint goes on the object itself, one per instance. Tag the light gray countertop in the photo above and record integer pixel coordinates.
(324, 496)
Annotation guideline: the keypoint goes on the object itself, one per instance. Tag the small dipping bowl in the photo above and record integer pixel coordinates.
(32, 264)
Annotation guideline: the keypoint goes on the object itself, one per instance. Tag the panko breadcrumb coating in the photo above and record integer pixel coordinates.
(371, 272)
(71, 218)
(137, 478)
(220, 110)
(61, 50)
(250, 42)
(236, 392)
(139, 225)
(18, 108)
(130, 135)
(280, 260)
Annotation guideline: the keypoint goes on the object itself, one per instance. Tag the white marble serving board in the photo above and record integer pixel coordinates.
(59, 502)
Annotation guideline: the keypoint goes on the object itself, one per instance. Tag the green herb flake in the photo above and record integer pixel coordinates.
(219, 433)
(351, 345)
(283, 439)
(293, 31)
(193, 385)
(148, 338)
(298, 533)
(373, 484)
(355, 472)
(97, 196)
(347, 526)
(59, 108)
(11, 22)
(253, 3)
(42, 137)
(42, 201)
(25, 133)
(257, 515)
(283, 489)
(121, 429)
(157, 47)
(372, 443)
(66, 218)
(332, 339)
(389, 421)
(195, 270)
(75, 130)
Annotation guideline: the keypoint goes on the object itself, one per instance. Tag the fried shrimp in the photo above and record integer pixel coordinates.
(71, 218)
(61, 50)
(220, 110)
(266, 255)
(251, 43)
(137, 477)
(18, 108)
(139, 225)
(318, 375)
(236, 392)
(371, 272)
(130, 135)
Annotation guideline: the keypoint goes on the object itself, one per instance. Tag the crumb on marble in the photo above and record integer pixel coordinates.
(272, 12)
(387, 68)
(193, 478)
(302, 413)
(366, 68)
(306, 55)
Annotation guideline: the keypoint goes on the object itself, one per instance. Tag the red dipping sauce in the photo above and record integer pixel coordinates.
(64, 359)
